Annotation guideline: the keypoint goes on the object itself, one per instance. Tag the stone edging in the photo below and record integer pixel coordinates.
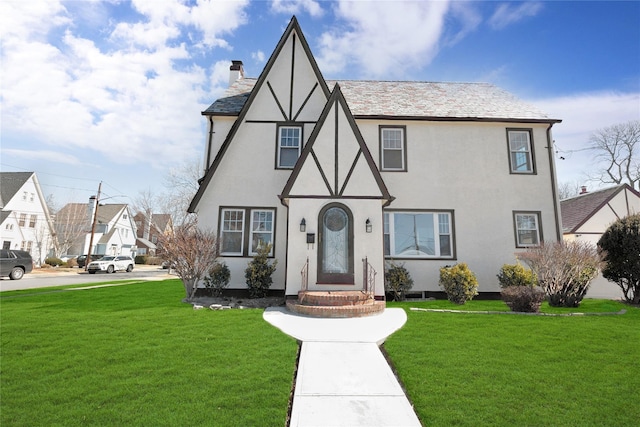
(439, 310)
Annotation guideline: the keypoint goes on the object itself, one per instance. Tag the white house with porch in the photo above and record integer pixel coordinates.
(342, 177)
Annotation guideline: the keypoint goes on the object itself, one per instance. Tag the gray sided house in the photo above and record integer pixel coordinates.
(342, 177)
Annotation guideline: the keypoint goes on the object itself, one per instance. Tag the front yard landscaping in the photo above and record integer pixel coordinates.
(135, 355)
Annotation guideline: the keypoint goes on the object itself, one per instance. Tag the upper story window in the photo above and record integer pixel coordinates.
(393, 148)
(244, 230)
(419, 234)
(22, 219)
(528, 230)
(520, 151)
(32, 221)
(32, 197)
(289, 146)
(24, 195)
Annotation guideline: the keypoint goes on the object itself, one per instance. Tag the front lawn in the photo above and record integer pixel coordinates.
(135, 355)
(519, 370)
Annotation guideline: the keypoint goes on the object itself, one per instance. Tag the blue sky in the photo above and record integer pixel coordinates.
(112, 90)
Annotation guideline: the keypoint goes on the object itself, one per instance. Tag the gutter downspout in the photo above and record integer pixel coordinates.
(209, 143)
(554, 191)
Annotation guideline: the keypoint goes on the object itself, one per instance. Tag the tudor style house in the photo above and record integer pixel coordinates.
(25, 222)
(341, 177)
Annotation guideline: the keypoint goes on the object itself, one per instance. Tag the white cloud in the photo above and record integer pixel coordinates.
(138, 102)
(507, 14)
(293, 7)
(258, 56)
(34, 155)
(375, 37)
(581, 114)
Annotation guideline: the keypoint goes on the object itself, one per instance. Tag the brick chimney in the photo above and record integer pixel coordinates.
(583, 189)
(236, 71)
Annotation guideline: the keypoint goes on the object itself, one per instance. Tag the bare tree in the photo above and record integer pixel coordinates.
(182, 185)
(191, 252)
(568, 189)
(618, 149)
(72, 224)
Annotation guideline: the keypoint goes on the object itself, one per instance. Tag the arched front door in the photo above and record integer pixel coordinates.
(335, 251)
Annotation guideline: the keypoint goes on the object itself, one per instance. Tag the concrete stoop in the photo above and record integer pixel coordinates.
(336, 304)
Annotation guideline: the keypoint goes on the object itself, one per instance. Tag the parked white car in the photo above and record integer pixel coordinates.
(111, 264)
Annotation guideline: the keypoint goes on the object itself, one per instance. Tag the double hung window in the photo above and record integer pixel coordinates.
(520, 151)
(289, 146)
(418, 234)
(22, 220)
(528, 231)
(393, 149)
(244, 230)
(32, 221)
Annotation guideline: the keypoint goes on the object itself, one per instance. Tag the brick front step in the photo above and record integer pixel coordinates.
(339, 311)
(336, 304)
(336, 298)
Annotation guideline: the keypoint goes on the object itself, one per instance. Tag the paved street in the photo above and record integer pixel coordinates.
(52, 277)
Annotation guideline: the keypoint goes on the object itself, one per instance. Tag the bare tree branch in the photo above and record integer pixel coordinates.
(617, 148)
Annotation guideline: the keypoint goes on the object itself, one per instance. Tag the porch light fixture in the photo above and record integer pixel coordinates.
(367, 226)
(303, 226)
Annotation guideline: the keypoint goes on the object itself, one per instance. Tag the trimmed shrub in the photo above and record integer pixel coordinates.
(72, 262)
(516, 275)
(218, 279)
(459, 283)
(140, 259)
(397, 281)
(564, 270)
(620, 249)
(154, 260)
(525, 299)
(53, 261)
(258, 273)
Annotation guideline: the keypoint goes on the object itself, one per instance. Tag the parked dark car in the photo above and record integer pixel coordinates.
(15, 263)
(82, 259)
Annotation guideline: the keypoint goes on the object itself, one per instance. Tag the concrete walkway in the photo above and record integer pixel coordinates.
(343, 378)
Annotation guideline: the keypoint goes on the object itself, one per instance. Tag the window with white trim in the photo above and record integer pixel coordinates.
(392, 149)
(244, 230)
(32, 221)
(289, 146)
(527, 228)
(232, 232)
(22, 220)
(520, 151)
(418, 234)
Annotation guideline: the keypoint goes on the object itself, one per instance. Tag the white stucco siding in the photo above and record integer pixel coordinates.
(221, 127)
(464, 167)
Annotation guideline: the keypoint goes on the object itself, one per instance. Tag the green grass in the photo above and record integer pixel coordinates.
(135, 355)
(484, 369)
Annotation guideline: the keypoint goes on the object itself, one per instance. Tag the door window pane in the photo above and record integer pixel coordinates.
(335, 244)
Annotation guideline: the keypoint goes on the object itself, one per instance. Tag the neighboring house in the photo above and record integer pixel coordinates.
(587, 216)
(336, 173)
(114, 233)
(149, 232)
(25, 220)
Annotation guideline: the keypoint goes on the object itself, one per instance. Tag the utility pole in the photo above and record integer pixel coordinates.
(93, 227)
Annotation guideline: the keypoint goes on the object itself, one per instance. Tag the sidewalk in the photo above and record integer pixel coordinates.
(343, 379)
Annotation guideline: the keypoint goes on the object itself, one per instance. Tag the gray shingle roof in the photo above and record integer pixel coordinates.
(576, 210)
(10, 183)
(408, 99)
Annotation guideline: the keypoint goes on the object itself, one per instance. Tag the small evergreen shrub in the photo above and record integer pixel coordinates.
(53, 261)
(525, 299)
(218, 279)
(459, 282)
(397, 281)
(620, 249)
(516, 275)
(259, 271)
(140, 259)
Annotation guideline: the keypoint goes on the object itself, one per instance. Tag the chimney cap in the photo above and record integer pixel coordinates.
(236, 65)
(583, 189)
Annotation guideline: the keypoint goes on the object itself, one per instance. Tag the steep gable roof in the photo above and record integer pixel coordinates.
(577, 210)
(293, 29)
(335, 152)
(410, 100)
(10, 184)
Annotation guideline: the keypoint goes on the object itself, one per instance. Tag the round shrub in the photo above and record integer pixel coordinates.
(218, 279)
(523, 298)
(620, 249)
(459, 283)
(516, 275)
(258, 273)
(397, 281)
(53, 261)
(141, 259)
